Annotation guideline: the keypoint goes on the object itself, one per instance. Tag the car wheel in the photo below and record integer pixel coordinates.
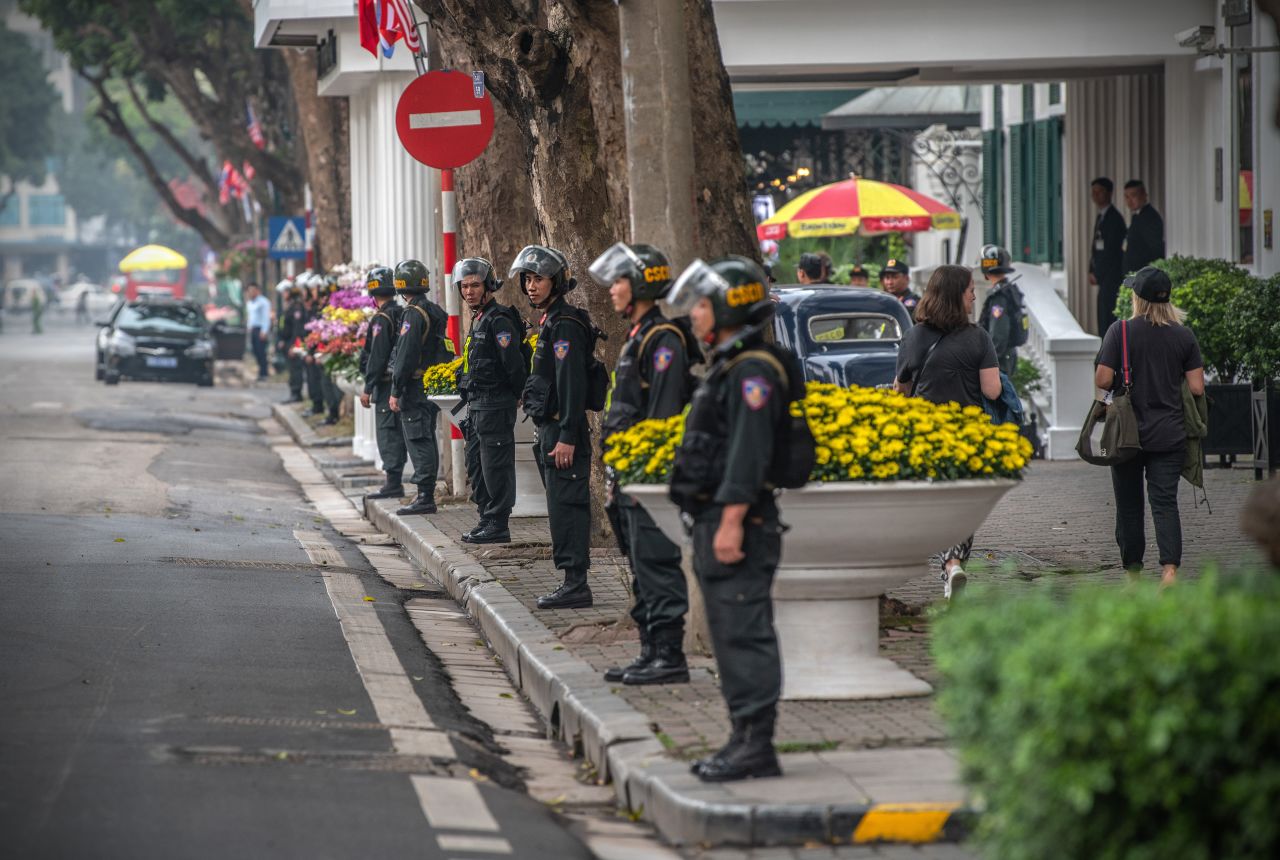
(98, 371)
(111, 377)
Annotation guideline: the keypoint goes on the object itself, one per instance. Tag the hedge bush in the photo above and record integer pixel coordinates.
(1136, 724)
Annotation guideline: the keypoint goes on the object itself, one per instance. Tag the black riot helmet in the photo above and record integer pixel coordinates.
(736, 286)
(544, 261)
(647, 268)
(480, 268)
(411, 277)
(380, 282)
(995, 260)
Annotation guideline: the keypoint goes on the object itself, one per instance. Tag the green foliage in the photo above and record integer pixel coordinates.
(1026, 378)
(872, 251)
(1257, 329)
(28, 105)
(1136, 725)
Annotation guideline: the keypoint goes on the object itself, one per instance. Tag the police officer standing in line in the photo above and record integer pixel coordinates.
(332, 393)
(720, 478)
(375, 363)
(555, 399)
(494, 370)
(894, 281)
(292, 329)
(651, 381)
(315, 375)
(420, 343)
(1002, 308)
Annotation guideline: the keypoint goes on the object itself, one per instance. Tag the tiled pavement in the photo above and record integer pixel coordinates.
(1054, 530)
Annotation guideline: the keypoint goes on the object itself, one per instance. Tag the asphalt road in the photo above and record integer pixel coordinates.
(174, 681)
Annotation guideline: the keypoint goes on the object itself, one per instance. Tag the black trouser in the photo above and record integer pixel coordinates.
(1008, 362)
(296, 375)
(391, 448)
(332, 393)
(1162, 469)
(568, 498)
(315, 385)
(740, 612)
(661, 597)
(418, 417)
(491, 458)
(259, 344)
(1107, 294)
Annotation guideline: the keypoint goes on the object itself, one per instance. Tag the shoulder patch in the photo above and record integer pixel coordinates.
(404, 327)
(503, 338)
(662, 358)
(911, 301)
(755, 392)
(997, 310)
(377, 329)
(561, 348)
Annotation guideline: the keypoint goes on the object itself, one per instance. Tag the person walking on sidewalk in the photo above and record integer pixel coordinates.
(945, 358)
(421, 343)
(258, 321)
(292, 331)
(375, 364)
(1160, 354)
(720, 478)
(555, 399)
(651, 380)
(494, 370)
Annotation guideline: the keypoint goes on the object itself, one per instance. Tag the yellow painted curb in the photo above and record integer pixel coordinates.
(904, 822)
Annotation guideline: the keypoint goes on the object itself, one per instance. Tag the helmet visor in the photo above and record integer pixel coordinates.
(472, 267)
(538, 260)
(697, 281)
(616, 262)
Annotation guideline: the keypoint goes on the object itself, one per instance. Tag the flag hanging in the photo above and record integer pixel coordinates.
(385, 22)
(255, 128)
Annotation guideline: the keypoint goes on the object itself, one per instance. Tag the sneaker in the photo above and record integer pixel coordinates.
(953, 582)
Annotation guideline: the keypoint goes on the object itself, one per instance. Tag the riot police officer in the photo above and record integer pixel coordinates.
(494, 370)
(375, 364)
(292, 331)
(421, 342)
(314, 303)
(327, 286)
(651, 381)
(555, 399)
(895, 280)
(1002, 313)
(721, 479)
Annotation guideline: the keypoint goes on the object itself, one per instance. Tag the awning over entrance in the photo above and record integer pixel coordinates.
(909, 107)
(798, 108)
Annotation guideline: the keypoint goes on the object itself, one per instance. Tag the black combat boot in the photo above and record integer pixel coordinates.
(668, 665)
(331, 420)
(496, 531)
(423, 503)
(574, 594)
(391, 489)
(479, 527)
(735, 738)
(752, 757)
(614, 673)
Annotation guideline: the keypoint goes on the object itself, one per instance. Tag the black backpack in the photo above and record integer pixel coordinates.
(1018, 322)
(437, 348)
(597, 373)
(795, 452)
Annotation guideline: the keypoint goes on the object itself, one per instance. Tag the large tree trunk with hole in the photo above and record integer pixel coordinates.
(556, 71)
(326, 139)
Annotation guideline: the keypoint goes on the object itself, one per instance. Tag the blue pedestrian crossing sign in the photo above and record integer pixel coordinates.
(286, 238)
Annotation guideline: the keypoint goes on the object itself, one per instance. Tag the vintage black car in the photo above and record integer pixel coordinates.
(160, 339)
(844, 335)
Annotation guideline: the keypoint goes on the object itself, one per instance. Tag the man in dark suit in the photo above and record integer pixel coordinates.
(1144, 243)
(1106, 269)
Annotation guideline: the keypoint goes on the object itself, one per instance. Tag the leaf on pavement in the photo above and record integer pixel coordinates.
(368, 599)
(346, 713)
(505, 696)
(119, 540)
(477, 775)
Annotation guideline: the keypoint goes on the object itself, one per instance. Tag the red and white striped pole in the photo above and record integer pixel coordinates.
(453, 305)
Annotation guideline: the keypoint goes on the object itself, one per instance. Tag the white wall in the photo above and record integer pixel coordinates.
(1195, 125)
(1266, 161)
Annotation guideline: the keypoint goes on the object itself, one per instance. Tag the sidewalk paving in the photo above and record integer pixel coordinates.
(860, 771)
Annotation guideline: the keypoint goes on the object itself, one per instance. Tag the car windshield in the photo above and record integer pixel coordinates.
(160, 317)
(833, 330)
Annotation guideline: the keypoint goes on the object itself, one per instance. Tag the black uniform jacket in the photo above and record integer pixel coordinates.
(494, 367)
(652, 376)
(379, 344)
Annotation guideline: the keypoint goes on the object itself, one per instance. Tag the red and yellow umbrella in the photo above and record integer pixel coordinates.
(843, 208)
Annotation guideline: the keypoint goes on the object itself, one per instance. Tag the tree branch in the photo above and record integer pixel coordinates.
(198, 167)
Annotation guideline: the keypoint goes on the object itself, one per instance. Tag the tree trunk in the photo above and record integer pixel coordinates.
(325, 137)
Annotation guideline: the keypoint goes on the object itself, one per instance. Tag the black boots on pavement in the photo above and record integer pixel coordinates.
(667, 665)
(391, 489)
(423, 503)
(748, 755)
(489, 531)
(614, 674)
(574, 594)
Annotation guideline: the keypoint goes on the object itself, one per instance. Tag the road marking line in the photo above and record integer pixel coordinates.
(394, 700)
(483, 844)
(452, 804)
(444, 119)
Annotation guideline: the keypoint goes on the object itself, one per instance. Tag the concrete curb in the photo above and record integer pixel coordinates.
(580, 709)
(302, 432)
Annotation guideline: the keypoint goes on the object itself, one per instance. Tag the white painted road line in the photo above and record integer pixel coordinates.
(453, 804)
(395, 701)
(482, 844)
(444, 119)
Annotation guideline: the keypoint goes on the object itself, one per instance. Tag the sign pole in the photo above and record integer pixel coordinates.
(453, 302)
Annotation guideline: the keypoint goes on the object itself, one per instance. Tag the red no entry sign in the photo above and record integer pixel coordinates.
(441, 122)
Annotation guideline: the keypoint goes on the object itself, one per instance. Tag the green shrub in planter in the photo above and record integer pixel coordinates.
(1132, 724)
(1256, 315)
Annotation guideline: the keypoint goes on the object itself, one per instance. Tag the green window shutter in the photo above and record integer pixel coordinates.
(991, 202)
(1041, 197)
(1019, 245)
(1056, 256)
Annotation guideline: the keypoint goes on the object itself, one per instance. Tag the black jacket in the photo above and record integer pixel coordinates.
(1144, 243)
(379, 345)
(652, 376)
(494, 368)
(292, 323)
(410, 357)
(558, 378)
(1106, 263)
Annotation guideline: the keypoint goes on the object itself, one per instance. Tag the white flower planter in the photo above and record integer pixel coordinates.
(364, 438)
(531, 498)
(849, 543)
